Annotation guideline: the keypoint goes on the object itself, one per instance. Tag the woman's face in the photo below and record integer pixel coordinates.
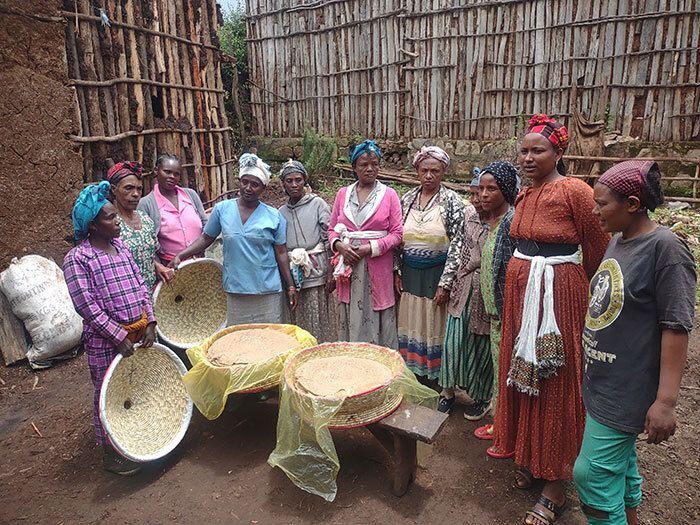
(250, 188)
(367, 168)
(294, 185)
(168, 174)
(127, 192)
(107, 224)
(430, 173)
(475, 199)
(538, 158)
(489, 193)
(614, 213)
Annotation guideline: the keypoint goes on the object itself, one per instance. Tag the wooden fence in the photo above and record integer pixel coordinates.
(148, 83)
(474, 69)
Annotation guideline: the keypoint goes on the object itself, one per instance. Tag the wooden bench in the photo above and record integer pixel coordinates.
(400, 432)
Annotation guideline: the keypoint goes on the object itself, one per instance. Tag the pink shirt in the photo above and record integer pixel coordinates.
(178, 227)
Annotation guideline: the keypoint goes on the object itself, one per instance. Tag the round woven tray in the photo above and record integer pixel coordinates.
(144, 407)
(192, 306)
(359, 409)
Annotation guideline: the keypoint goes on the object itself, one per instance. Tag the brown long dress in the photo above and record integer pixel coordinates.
(545, 431)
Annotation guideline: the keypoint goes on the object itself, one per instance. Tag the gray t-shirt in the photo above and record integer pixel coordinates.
(644, 285)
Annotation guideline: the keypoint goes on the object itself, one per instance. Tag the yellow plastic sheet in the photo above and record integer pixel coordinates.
(305, 450)
(209, 385)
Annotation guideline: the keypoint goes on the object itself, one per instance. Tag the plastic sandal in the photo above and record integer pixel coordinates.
(493, 452)
(484, 432)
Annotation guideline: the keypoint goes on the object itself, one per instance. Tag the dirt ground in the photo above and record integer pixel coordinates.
(219, 473)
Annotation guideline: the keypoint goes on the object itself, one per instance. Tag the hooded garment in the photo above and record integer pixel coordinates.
(307, 226)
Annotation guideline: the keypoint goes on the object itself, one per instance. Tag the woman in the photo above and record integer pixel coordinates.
(433, 218)
(466, 357)
(138, 231)
(641, 309)
(365, 228)
(255, 253)
(108, 292)
(177, 212)
(498, 189)
(307, 217)
(540, 415)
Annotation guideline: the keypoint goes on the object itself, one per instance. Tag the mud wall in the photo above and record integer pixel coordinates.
(41, 173)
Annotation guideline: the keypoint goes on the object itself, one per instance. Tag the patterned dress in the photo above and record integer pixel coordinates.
(432, 242)
(108, 292)
(546, 430)
(489, 296)
(143, 245)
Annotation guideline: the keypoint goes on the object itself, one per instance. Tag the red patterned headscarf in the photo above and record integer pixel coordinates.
(123, 169)
(550, 129)
(628, 178)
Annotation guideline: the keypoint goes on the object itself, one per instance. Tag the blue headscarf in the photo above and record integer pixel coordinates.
(87, 206)
(366, 146)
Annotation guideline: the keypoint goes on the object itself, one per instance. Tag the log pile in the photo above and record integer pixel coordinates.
(147, 80)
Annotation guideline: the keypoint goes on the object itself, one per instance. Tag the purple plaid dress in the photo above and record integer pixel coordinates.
(107, 291)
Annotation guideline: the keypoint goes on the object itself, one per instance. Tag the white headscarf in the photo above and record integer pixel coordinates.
(251, 164)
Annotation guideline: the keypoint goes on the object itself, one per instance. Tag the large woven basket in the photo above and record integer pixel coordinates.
(143, 405)
(359, 409)
(192, 306)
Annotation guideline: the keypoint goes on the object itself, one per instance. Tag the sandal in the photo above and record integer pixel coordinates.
(523, 479)
(484, 432)
(550, 506)
(495, 453)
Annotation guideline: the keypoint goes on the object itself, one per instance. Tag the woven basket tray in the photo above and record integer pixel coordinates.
(143, 404)
(192, 306)
(359, 409)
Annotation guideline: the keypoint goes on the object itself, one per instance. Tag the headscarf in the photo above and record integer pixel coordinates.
(431, 152)
(628, 178)
(550, 129)
(87, 206)
(506, 176)
(475, 180)
(292, 166)
(122, 170)
(366, 146)
(251, 164)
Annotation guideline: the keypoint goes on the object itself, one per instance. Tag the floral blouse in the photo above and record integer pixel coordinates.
(143, 245)
(452, 213)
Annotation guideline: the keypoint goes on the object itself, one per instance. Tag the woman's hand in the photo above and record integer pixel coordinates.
(293, 296)
(330, 282)
(174, 263)
(149, 335)
(164, 273)
(364, 251)
(126, 347)
(350, 255)
(660, 423)
(398, 283)
(441, 296)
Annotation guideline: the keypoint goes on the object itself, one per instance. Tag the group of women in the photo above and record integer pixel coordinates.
(489, 296)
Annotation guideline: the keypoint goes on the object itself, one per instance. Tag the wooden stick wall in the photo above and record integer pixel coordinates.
(431, 68)
(148, 84)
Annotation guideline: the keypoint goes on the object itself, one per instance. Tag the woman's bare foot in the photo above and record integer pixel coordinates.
(632, 518)
(542, 515)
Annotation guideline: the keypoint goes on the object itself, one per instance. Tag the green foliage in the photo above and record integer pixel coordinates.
(319, 154)
(232, 35)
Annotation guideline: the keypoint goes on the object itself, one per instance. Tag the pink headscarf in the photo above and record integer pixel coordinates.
(433, 152)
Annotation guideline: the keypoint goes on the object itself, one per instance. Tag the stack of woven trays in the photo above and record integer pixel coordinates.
(143, 404)
(192, 306)
(359, 409)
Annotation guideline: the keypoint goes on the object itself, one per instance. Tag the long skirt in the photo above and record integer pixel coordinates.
(359, 321)
(546, 430)
(495, 353)
(317, 313)
(421, 321)
(466, 358)
(245, 309)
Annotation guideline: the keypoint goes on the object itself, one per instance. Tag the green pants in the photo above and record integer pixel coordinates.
(606, 474)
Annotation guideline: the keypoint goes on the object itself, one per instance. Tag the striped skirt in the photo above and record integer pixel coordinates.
(466, 359)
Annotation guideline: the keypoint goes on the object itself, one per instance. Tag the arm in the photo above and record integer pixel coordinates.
(350, 255)
(77, 280)
(283, 263)
(395, 230)
(324, 218)
(660, 423)
(455, 231)
(149, 335)
(210, 233)
(594, 240)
